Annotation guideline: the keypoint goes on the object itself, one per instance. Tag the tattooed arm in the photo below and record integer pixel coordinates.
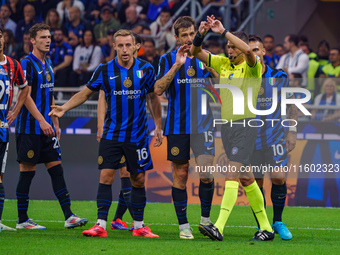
(291, 136)
(162, 84)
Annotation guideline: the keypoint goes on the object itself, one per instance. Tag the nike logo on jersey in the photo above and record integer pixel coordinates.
(40, 72)
(143, 165)
(210, 148)
(111, 78)
(337, 155)
(278, 161)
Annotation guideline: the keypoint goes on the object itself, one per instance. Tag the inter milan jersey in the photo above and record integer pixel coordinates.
(4, 102)
(125, 93)
(41, 79)
(16, 75)
(271, 132)
(58, 53)
(185, 96)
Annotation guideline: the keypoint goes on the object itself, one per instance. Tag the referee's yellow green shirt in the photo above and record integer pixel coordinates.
(243, 76)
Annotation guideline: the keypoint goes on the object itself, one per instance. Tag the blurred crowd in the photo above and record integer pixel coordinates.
(82, 38)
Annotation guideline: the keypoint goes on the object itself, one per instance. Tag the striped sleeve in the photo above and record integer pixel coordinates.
(26, 68)
(96, 80)
(19, 77)
(163, 67)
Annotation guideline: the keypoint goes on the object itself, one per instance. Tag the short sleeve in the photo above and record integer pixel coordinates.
(27, 70)
(255, 71)
(163, 67)
(216, 62)
(96, 80)
(19, 79)
(69, 51)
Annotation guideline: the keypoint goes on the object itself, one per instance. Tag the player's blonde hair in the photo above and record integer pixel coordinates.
(123, 32)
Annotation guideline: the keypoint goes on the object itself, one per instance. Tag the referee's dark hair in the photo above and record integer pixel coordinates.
(38, 27)
(294, 39)
(242, 35)
(255, 38)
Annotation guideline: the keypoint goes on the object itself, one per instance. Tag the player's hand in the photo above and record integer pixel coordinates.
(99, 133)
(215, 25)
(57, 111)
(159, 137)
(181, 55)
(204, 28)
(290, 141)
(11, 116)
(57, 132)
(46, 128)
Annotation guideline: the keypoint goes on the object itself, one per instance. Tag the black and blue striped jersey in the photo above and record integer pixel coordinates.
(5, 90)
(58, 53)
(185, 96)
(41, 79)
(272, 131)
(125, 94)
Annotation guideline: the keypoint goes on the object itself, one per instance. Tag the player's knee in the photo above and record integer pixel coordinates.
(278, 181)
(123, 172)
(246, 182)
(106, 177)
(56, 170)
(137, 180)
(206, 180)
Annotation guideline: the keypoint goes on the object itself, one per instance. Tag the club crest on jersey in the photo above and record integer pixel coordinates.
(127, 83)
(230, 76)
(261, 91)
(48, 77)
(272, 81)
(201, 65)
(140, 74)
(191, 71)
(234, 150)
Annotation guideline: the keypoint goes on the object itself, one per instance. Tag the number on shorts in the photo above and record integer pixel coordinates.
(142, 154)
(4, 89)
(56, 142)
(277, 149)
(208, 136)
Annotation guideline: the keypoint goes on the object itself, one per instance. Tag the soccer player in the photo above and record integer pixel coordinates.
(126, 81)
(12, 69)
(37, 134)
(177, 71)
(238, 140)
(270, 145)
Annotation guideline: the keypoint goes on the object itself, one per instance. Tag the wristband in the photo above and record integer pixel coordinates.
(224, 32)
(197, 42)
(292, 129)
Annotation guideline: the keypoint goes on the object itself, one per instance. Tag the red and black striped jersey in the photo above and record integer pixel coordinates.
(16, 75)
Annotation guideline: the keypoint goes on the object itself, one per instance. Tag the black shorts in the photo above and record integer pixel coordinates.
(275, 155)
(136, 155)
(238, 142)
(37, 149)
(3, 155)
(201, 144)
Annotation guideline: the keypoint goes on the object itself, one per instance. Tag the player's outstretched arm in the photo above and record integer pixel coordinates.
(101, 109)
(217, 27)
(157, 117)
(196, 47)
(162, 84)
(22, 96)
(55, 122)
(32, 108)
(75, 101)
(293, 113)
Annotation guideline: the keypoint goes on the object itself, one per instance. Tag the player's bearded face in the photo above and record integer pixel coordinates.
(234, 54)
(42, 41)
(125, 47)
(186, 35)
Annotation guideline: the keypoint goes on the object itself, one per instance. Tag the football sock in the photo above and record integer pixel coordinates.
(206, 192)
(278, 196)
(228, 202)
(180, 198)
(264, 200)
(2, 198)
(102, 223)
(138, 202)
(104, 200)
(124, 198)
(256, 202)
(22, 191)
(60, 190)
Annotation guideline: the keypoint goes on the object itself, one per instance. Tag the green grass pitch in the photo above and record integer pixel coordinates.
(315, 231)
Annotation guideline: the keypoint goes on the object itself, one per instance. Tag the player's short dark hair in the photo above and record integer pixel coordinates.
(268, 36)
(242, 35)
(324, 42)
(149, 40)
(138, 38)
(59, 29)
(255, 38)
(294, 39)
(184, 22)
(38, 27)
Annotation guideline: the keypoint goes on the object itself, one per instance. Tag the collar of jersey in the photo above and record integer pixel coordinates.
(4, 62)
(36, 59)
(122, 67)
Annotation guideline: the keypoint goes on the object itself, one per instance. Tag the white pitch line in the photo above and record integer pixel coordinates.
(194, 225)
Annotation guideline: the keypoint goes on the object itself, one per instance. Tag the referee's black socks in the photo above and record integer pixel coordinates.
(22, 191)
(60, 190)
(278, 196)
